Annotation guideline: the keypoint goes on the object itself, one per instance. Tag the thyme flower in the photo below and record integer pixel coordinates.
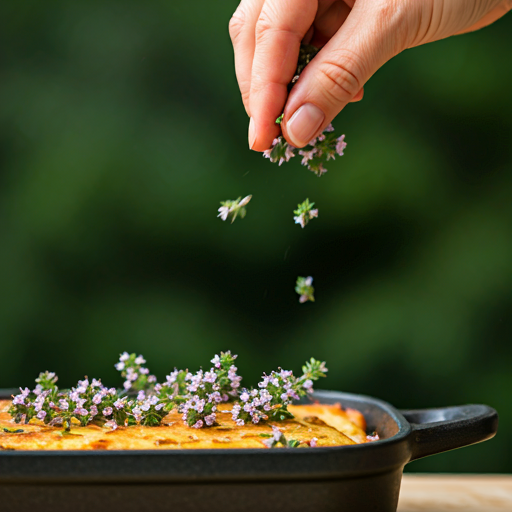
(173, 391)
(201, 406)
(234, 208)
(275, 392)
(227, 377)
(136, 376)
(304, 287)
(304, 213)
(207, 389)
(278, 438)
(196, 396)
(318, 151)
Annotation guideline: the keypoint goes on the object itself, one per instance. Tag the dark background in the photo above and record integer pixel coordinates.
(121, 129)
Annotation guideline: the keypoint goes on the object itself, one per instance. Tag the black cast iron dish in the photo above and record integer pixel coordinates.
(356, 478)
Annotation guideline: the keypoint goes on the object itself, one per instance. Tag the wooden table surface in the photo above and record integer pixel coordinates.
(453, 493)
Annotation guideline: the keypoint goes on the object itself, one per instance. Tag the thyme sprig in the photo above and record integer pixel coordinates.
(304, 213)
(275, 392)
(278, 438)
(143, 401)
(137, 377)
(233, 208)
(304, 287)
(319, 150)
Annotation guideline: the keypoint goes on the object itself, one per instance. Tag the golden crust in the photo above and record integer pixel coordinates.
(350, 422)
(329, 424)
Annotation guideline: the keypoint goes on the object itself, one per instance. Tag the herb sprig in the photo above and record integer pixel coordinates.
(318, 151)
(233, 208)
(304, 287)
(305, 212)
(143, 401)
(275, 392)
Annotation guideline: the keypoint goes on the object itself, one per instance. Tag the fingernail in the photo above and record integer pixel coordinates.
(304, 124)
(252, 133)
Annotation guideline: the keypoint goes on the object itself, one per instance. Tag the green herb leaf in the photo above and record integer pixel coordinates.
(12, 430)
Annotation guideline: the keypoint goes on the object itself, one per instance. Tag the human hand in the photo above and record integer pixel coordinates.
(356, 36)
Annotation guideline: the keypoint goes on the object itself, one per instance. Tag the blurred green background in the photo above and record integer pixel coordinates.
(121, 129)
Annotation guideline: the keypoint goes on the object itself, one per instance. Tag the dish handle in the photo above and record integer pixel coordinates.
(446, 428)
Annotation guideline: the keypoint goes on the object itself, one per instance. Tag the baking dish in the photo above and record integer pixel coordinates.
(363, 477)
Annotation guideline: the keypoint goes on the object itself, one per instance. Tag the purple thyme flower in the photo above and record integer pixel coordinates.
(137, 414)
(82, 386)
(41, 415)
(289, 153)
(313, 442)
(119, 404)
(340, 145)
(198, 424)
(171, 378)
(210, 376)
(210, 419)
(107, 411)
(145, 406)
(18, 400)
(131, 374)
(74, 396)
(308, 384)
(233, 377)
(307, 155)
(111, 424)
(276, 433)
(97, 398)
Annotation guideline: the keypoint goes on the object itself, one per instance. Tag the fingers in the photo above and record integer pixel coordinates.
(495, 14)
(371, 35)
(280, 28)
(241, 31)
(331, 15)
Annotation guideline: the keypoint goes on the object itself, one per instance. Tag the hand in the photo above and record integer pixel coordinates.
(356, 36)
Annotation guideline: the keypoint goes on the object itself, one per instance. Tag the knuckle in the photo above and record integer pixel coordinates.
(267, 26)
(236, 24)
(264, 25)
(340, 77)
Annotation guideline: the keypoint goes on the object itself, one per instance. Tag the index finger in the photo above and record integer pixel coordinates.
(280, 29)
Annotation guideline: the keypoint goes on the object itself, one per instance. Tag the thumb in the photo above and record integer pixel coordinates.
(373, 33)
